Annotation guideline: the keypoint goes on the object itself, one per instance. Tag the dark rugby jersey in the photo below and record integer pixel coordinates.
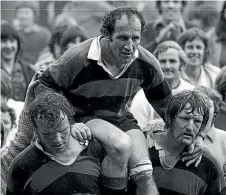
(95, 93)
(206, 179)
(33, 172)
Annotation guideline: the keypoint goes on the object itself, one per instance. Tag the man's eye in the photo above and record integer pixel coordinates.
(135, 38)
(48, 135)
(123, 38)
(172, 61)
(199, 47)
(3, 40)
(184, 118)
(198, 121)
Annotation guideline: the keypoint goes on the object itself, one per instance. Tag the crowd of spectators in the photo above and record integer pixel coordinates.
(63, 50)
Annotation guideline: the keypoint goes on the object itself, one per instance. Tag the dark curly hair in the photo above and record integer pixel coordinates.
(159, 8)
(47, 108)
(177, 104)
(108, 21)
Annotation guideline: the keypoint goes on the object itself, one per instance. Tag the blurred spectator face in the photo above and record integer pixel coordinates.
(73, 42)
(9, 48)
(25, 16)
(195, 51)
(6, 120)
(186, 125)
(171, 9)
(170, 63)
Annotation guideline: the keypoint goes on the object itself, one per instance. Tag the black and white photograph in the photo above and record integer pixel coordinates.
(113, 97)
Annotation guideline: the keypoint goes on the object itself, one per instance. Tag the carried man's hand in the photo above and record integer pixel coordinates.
(194, 154)
(81, 132)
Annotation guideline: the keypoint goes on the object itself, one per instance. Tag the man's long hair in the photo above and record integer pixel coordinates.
(197, 101)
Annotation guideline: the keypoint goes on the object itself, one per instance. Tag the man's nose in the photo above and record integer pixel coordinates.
(8, 43)
(129, 45)
(167, 65)
(190, 125)
(194, 50)
(57, 138)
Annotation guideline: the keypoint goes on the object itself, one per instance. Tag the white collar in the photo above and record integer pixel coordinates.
(95, 54)
(211, 134)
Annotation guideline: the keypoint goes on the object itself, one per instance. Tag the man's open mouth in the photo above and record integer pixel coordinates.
(7, 51)
(127, 54)
(188, 134)
(58, 146)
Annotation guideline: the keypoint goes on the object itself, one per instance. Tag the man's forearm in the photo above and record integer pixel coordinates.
(161, 105)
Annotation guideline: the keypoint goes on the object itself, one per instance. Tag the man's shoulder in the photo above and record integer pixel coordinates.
(77, 52)
(210, 162)
(214, 171)
(211, 68)
(220, 135)
(148, 57)
(183, 85)
(21, 169)
(24, 161)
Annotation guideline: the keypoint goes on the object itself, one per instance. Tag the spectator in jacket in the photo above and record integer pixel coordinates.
(37, 36)
(53, 51)
(218, 40)
(167, 26)
(18, 70)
